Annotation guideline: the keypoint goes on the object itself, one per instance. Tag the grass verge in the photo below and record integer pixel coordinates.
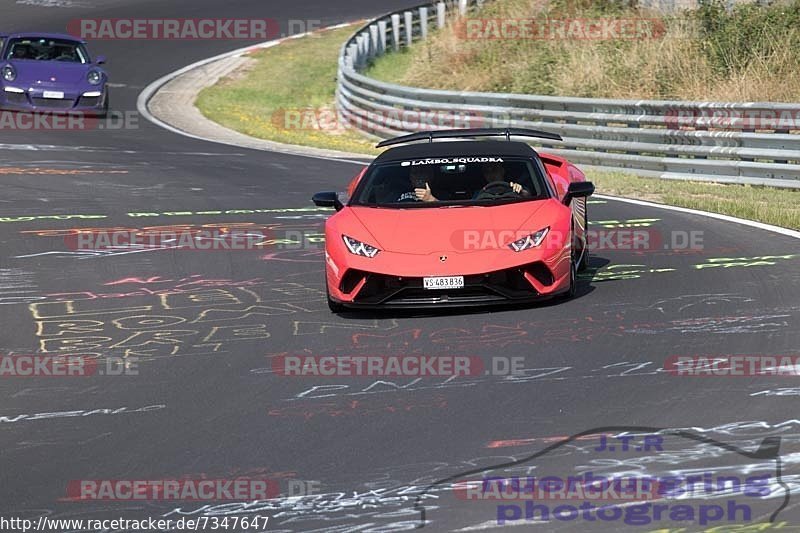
(748, 53)
(286, 94)
(780, 207)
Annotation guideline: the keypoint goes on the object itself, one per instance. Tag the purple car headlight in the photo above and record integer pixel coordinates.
(359, 248)
(94, 77)
(8, 73)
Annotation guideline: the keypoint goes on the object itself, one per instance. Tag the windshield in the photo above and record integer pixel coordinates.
(43, 49)
(451, 181)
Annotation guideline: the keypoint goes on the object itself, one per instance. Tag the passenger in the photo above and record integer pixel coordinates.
(419, 178)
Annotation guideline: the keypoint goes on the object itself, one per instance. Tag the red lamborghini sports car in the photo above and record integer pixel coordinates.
(464, 222)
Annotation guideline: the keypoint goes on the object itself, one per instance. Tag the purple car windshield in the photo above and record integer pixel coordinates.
(46, 50)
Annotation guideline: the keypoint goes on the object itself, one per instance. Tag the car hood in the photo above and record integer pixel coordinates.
(426, 230)
(49, 73)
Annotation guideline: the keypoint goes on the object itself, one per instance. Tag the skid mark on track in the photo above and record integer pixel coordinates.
(39, 171)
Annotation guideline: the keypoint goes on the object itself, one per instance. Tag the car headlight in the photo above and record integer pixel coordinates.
(359, 248)
(530, 241)
(94, 77)
(8, 73)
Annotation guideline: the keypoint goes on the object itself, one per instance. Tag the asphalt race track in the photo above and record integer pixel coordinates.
(201, 400)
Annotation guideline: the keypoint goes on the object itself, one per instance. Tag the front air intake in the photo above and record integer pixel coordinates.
(541, 273)
(350, 280)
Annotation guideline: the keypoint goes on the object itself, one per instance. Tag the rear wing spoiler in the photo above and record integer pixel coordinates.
(470, 133)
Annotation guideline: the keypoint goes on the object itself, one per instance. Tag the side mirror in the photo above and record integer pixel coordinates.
(100, 60)
(327, 199)
(578, 189)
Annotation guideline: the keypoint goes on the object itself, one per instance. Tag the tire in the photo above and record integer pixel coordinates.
(573, 281)
(584, 264)
(573, 275)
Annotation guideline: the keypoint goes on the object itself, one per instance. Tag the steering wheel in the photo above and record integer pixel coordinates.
(496, 189)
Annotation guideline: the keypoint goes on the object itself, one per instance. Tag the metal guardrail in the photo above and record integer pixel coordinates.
(702, 141)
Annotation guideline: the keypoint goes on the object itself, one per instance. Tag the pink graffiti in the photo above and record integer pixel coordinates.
(182, 285)
(193, 280)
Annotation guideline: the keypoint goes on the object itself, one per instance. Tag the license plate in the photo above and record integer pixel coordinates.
(444, 282)
(56, 95)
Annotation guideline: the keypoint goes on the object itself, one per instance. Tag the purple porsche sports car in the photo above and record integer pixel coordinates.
(50, 73)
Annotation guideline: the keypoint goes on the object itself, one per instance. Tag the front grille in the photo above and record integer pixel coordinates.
(503, 285)
(53, 103)
(16, 98)
(89, 101)
(450, 296)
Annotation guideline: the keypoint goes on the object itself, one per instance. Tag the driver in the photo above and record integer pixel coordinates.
(19, 52)
(497, 172)
(418, 176)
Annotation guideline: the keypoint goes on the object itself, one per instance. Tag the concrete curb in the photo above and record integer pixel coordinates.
(168, 102)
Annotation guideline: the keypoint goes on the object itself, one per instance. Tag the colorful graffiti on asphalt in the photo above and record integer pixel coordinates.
(167, 317)
(151, 214)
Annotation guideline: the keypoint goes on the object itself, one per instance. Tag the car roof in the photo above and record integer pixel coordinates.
(456, 149)
(34, 35)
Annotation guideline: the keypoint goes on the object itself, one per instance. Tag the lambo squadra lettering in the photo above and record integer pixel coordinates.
(451, 161)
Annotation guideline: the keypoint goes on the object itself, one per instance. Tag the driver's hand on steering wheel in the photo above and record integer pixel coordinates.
(519, 189)
(425, 194)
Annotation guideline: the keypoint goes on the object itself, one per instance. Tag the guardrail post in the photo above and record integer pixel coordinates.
(423, 23)
(440, 14)
(396, 31)
(382, 35)
(373, 36)
(361, 43)
(352, 51)
(462, 7)
(409, 23)
(365, 44)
